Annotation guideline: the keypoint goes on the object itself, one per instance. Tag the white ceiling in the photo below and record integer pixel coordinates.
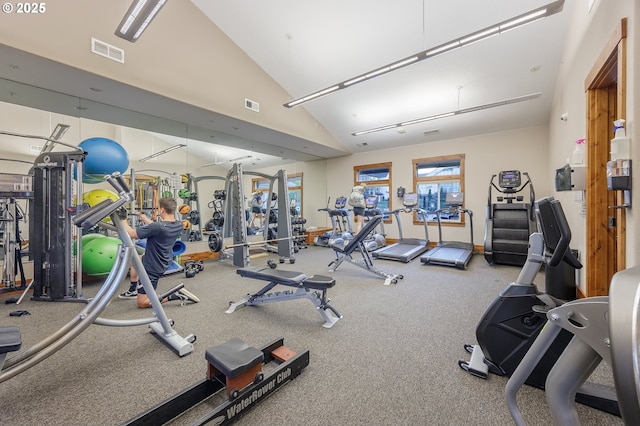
(308, 45)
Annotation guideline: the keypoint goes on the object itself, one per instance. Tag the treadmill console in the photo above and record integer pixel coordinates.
(454, 199)
(509, 179)
(410, 199)
(341, 202)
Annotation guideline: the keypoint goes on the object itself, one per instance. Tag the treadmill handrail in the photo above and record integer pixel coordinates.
(467, 211)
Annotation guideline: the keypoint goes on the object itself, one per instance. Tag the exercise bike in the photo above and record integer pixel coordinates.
(516, 317)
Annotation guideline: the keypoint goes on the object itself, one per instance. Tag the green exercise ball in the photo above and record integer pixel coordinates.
(85, 240)
(99, 255)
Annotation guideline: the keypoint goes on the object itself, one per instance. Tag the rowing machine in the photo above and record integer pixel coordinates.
(231, 366)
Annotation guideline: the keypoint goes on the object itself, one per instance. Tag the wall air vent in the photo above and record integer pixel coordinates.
(108, 51)
(252, 105)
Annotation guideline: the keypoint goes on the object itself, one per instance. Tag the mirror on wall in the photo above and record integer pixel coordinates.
(148, 141)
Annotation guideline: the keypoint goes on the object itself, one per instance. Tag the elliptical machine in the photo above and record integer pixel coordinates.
(340, 224)
(515, 318)
(377, 239)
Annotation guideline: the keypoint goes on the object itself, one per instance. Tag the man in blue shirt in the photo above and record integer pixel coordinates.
(161, 236)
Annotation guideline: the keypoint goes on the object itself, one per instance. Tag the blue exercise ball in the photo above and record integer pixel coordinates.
(104, 156)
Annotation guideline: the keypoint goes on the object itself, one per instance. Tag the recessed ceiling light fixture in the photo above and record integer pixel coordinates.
(483, 34)
(449, 114)
(137, 18)
(164, 151)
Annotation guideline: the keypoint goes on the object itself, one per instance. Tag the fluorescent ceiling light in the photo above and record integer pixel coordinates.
(137, 18)
(449, 114)
(483, 34)
(232, 160)
(56, 135)
(164, 151)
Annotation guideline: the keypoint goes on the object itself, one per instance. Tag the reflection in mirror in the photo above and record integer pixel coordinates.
(200, 152)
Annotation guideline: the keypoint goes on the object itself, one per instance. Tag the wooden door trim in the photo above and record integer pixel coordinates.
(606, 100)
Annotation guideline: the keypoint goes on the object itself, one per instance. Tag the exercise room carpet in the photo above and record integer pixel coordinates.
(392, 359)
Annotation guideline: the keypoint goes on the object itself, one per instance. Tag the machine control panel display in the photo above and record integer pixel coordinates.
(509, 179)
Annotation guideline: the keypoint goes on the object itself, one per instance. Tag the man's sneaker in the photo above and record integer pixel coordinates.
(187, 295)
(128, 294)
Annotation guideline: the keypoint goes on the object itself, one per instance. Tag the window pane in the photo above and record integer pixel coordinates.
(442, 168)
(381, 194)
(262, 184)
(294, 181)
(295, 197)
(432, 196)
(428, 197)
(368, 175)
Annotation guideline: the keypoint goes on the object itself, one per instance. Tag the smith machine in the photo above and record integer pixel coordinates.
(236, 227)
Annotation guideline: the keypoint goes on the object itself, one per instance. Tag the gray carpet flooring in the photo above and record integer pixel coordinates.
(392, 359)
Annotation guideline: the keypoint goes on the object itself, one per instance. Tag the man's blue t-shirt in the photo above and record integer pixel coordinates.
(161, 236)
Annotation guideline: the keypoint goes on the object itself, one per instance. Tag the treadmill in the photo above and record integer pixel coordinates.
(451, 253)
(406, 249)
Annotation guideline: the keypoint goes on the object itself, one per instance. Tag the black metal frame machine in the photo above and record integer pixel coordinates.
(508, 224)
(512, 323)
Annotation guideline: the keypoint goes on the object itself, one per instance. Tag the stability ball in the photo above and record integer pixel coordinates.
(85, 240)
(104, 156)
(99, 255)
(96, 196)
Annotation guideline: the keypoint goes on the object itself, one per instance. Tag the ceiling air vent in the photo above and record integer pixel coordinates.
(252, 105)
(108, 51)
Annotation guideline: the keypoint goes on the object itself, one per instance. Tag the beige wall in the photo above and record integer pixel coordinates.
(212, 73)
(588, 34)
(523, 149)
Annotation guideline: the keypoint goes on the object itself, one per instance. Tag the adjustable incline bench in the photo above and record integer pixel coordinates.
(357, 243)
(313, 288)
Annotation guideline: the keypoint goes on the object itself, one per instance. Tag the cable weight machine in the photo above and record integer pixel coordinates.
(56, 277)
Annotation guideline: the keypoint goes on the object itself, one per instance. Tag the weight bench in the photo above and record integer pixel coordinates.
(10, 341)
(313, 288)
(344, 252)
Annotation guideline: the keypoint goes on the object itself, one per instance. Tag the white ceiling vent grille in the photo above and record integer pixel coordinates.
(252, 105)
(108, 51)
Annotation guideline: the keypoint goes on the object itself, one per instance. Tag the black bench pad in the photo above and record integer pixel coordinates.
(274, 275)
(290, 278)
(320, 282)
(234, 357)
(10, 339)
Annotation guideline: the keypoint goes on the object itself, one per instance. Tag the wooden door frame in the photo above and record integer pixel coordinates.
(606, 88)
